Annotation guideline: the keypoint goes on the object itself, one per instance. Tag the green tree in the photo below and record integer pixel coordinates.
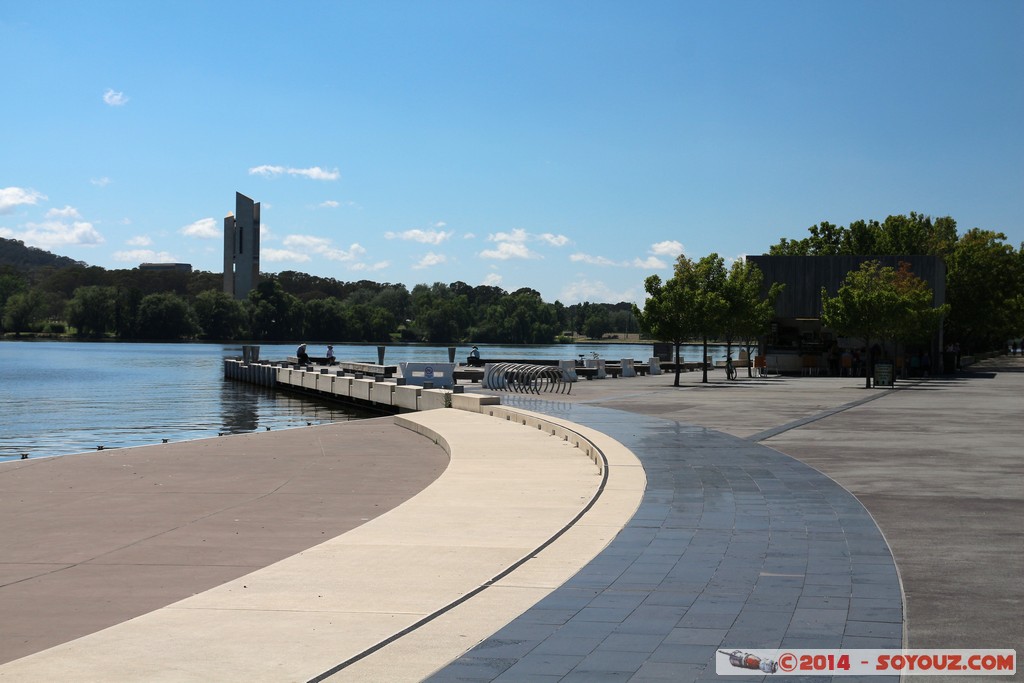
(274, 314)
(690, 304)
(877, 303)
(665, 315)
(748, 315)
(22, 311)
(166, 316)
(219, 315)
(983, 282)
(597, 324)
(91, 310)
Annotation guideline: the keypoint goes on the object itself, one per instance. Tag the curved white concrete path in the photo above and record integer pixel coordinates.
(388, 600)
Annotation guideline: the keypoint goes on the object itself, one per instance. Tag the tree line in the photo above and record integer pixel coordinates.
(984, 274)
(702, 300)
(91, 302)
(984, 289)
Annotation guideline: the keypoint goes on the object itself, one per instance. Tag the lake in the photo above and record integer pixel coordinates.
(61, 397)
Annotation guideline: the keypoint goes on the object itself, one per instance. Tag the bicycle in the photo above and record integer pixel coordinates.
(730, 369)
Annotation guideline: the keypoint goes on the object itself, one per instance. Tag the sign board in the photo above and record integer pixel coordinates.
(884, 373)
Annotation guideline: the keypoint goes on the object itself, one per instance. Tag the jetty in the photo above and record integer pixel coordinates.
(417, 386)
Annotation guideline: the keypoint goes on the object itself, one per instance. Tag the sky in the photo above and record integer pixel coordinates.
(573, 147)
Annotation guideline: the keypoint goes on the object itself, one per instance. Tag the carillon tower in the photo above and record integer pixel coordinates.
(242, 247)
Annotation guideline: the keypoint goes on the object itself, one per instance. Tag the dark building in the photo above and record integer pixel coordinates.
(176, 267)
(242, 247)
(798, 341)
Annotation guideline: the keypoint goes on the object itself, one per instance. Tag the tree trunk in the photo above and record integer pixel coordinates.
(704, 361)
(678, 344)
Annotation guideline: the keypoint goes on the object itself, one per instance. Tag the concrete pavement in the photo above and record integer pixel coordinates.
(733, 543)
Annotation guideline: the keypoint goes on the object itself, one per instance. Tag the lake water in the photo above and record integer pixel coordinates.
(61, 397)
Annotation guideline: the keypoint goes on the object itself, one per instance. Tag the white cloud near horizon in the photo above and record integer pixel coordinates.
(313, 172)
(204, 228)
(56, 233)
(434, 237)
(145, 256)
(11, 197)
(322, 246)
(275, 255)
(649, 263)
(492, 280)
(592, 260)
(115, 98)
(371, 267)
(670, 248)
(594, 291)
(139, 241)
(513, 244)
(430, 259)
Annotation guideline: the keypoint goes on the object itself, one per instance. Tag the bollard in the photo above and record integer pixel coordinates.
(380, 355)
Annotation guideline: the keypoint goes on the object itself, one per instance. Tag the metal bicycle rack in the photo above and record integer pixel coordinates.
(524, 378)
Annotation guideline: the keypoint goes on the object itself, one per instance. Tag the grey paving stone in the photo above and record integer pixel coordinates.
(733, 543)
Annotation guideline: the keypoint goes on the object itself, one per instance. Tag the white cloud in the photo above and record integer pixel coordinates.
(144, 256)
(591, 260)
(307, 242)
(430, 259)
(274, 255)
(11, 197)
(204, 228)
(114, 98)
(66, 212)
(513, 244)
(101, 182)
(649, 263)
(593, 291)
(266, 170)
(517, 235)
(313, 172)
(423, 236)
(555, 240)
(139, 241)
(353, 253)
(492, 280)
(329, 204)
(371, 267)
(509, 250)
(322, 246)
(670, 248)
(56, 233)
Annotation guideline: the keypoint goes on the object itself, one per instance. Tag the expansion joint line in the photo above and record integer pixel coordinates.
(484, 586)
(775, 431)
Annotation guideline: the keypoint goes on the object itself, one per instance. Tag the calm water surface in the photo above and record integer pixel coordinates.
(58, 398)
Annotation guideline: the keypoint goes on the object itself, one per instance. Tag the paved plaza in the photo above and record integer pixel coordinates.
(797, 512)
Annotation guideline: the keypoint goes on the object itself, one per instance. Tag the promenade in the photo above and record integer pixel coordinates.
(720, 530)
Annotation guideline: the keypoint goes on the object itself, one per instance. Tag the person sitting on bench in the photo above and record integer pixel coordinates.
(302, 355)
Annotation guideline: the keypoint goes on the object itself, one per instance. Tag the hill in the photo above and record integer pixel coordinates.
(18, 255)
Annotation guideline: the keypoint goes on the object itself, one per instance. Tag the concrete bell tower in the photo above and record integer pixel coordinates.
(242, 247)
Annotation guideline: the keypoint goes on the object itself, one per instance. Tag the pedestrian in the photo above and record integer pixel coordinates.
(330, 354)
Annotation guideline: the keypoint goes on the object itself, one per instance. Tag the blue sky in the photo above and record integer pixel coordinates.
(571, 147)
